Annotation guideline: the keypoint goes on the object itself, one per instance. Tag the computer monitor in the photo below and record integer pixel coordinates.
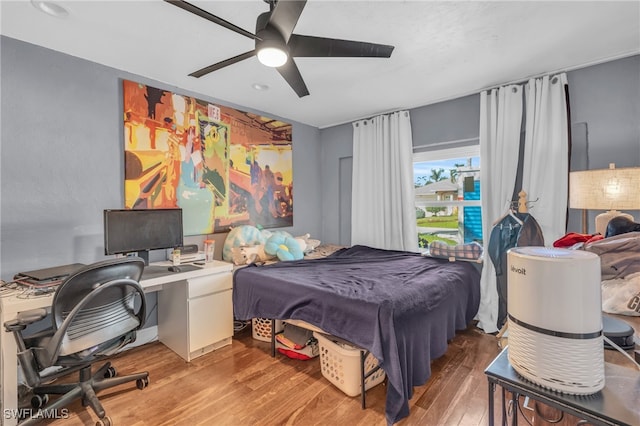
(141, 230)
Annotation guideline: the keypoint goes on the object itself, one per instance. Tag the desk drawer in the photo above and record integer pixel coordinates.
(209, 284)
(210, 319)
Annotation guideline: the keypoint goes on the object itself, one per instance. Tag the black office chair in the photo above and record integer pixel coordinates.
(95, 312)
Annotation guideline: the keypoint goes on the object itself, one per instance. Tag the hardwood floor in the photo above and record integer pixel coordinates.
(242, 384)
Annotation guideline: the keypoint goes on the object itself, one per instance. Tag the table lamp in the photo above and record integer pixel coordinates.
(611, 189)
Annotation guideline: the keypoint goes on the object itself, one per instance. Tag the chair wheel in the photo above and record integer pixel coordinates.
(142, 383)
(110, 372)
(106, 421)
(39, 401)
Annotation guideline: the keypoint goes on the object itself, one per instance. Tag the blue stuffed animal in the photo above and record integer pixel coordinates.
(284, 247)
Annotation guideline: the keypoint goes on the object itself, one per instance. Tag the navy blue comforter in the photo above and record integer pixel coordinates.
(401, 306)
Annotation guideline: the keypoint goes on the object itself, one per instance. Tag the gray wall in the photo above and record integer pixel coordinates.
(62, 158)
(605, 115)
(605, 98)
(336, 148)
(453, 120)
(62, 162)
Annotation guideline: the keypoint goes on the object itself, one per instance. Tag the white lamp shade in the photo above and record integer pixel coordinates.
(606, 189)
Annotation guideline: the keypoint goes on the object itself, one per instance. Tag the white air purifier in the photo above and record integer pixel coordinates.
(555, 318)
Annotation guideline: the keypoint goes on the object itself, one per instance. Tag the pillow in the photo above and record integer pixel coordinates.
(323, 250)
(283, 247)
(618, 255)
(469, 251)
(311, 245)
(622, 295)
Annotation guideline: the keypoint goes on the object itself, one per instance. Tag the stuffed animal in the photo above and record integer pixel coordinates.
(246, 255)
(238, 256)
(246, 244)
(284, 247)
(307, 244)
(243, 235)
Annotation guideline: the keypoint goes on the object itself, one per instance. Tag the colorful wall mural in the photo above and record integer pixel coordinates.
(222, 166)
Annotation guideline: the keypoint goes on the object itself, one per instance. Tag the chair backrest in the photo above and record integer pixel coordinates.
(97, 305)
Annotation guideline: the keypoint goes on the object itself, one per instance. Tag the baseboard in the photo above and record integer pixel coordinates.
(210, 348)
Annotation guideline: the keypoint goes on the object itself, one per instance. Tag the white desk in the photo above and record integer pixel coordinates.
(186, 320)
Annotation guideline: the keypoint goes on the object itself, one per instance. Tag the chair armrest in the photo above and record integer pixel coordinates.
(24, 319)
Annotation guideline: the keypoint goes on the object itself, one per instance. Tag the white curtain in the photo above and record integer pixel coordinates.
(382, 208)
(545, 171)
(500, 123)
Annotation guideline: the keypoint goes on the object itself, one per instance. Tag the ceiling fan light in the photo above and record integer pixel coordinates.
(272, 56)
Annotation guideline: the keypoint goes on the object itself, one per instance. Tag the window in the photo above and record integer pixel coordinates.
(447, 195)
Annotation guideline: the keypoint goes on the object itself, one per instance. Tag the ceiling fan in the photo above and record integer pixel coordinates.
(276, 45)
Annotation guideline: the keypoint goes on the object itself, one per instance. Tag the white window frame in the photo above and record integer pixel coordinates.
(426, 154)
(435, 153)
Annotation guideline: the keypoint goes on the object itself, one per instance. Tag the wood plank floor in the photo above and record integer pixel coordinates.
(242, 384)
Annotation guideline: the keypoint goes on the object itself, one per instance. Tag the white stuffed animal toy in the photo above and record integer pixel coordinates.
(246, 255)
(307, 244)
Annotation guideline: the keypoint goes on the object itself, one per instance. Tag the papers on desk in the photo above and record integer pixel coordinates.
(26, 291)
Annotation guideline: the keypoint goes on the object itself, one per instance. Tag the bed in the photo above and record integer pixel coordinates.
(401, 306)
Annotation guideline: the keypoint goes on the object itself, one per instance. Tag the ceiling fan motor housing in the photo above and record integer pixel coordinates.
(267, 35)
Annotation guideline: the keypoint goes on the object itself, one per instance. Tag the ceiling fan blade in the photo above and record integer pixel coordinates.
(289, 71)
(285, 16)
(226, 62)
(211, 17)
(310, 47)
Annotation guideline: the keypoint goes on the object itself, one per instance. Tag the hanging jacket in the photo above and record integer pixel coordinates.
(508, 233)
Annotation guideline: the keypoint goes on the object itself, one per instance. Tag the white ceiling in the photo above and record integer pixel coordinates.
(443, 49)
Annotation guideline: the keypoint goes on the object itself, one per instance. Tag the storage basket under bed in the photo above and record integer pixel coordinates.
(340, 364)
(261, 328)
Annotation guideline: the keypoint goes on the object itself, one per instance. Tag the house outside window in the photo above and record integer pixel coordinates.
(447, 195)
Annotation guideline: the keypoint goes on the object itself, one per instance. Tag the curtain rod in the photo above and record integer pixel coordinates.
(523, 80)
(428, 147)
(381, 113)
